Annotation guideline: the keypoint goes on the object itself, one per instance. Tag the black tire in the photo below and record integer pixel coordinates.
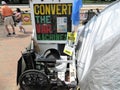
(33, 80)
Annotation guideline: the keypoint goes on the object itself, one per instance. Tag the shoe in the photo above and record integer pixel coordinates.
(9, 34)
(15, 24)
(13, 33)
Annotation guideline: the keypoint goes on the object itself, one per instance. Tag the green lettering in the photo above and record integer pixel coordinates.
(48, 19)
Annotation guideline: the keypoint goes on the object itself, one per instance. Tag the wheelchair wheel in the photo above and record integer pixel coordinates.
(33, 80)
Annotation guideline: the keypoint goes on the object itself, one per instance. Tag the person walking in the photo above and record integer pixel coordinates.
(7, 14)
(18, 16)
(90, 14)
(97, 11)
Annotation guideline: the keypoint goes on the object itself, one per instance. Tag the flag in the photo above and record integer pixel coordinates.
(75, 17)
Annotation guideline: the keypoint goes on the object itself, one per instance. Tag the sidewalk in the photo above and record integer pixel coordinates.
(10, 52)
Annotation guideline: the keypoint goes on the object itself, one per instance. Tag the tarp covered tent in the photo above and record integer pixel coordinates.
(98, 66)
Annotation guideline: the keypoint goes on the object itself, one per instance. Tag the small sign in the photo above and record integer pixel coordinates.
(68, 50)
(71, 36)
(26, 19)
(61, 24)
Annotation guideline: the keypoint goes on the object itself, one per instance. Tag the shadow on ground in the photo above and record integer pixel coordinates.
(18, 34)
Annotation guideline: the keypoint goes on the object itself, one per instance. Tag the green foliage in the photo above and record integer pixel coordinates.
(97, 1)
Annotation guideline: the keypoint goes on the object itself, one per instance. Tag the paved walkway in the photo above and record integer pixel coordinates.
(10, 52)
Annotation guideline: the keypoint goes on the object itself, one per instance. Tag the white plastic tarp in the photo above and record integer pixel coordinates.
(99, 56)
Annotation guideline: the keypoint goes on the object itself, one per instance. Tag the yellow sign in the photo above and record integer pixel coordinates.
(68, 50)
(26, 18)
(71, 36)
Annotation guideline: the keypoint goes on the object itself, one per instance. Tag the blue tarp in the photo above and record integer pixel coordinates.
(77, 4)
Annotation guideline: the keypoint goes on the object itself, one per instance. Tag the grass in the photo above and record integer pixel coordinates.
(96, 2)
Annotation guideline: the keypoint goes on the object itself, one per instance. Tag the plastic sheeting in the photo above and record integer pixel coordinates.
(99, 56)
(77, 4)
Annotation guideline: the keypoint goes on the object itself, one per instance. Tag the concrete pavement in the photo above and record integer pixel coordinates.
(10, 52)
